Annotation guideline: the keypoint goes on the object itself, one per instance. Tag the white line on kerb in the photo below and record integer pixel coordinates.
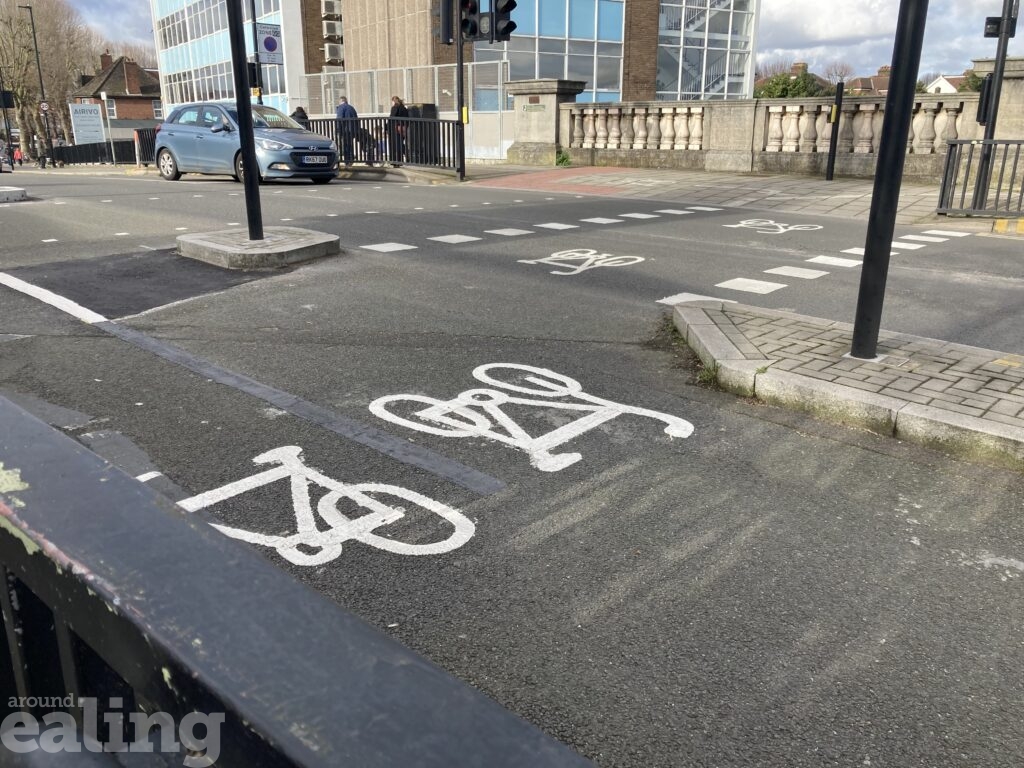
(145, 478)
(51, 298)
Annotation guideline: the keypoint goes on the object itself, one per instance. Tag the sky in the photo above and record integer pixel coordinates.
(857, 32)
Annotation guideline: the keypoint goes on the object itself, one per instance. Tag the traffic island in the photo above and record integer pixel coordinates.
(280, 247)
(962, 400)
(12, 195)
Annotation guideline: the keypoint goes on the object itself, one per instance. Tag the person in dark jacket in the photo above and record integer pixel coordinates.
(398, 128)
(347, 121)
(300, 117)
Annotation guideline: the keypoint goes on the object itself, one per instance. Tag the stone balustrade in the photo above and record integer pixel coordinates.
(762, 135)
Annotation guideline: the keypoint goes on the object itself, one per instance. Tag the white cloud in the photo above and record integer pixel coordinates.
(862, 33)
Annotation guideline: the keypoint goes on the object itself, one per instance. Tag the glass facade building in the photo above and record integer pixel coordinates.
(706, 49)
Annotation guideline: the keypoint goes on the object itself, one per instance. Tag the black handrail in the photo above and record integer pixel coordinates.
(118, 597)
(414, 141)
(960, 177)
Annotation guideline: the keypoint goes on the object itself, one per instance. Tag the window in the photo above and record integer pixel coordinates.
(111, 109)
(158, 109)
(609, 20)
(582, 19)
(552, 18)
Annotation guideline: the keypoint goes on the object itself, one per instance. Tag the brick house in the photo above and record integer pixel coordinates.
(133, 93)
(875, 85)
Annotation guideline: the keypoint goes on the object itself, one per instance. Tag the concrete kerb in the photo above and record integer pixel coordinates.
(12, 195)
(280, 247)
(948, 431)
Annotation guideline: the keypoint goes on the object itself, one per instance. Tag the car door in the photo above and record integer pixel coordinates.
(217, 141)
(180, 137)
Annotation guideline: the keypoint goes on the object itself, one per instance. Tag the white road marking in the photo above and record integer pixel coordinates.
(947, 233)
(154, 198)
(581, 259)
(478, 413)
(803, 274)
(509, 232)
(180, 229)
(147, 247)
(59, 202)
(284, 219)
(332, 215)
(924, 238)
(106, 201)
(51, 298)
(454, 238)
(453, 205)
(51, 240)
(907, 246)
(679, 298)
(771, 227)
(517, 201)
(234, 224)
(371, 211)
(835, 261)
(702, 208)
(556, 225)
(750, 286)
(602, 220)
(389, 247)
(121, 234)
(312, 546)
(639, 216)
(674, 211)
(484, 203)
(276, 193)
(146, 477)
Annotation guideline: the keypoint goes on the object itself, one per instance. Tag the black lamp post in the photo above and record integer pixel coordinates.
(42, 90)
(7, 123)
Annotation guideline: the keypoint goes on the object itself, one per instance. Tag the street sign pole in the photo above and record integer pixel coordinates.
(899, 110)
(258, 84)
(460, 95)
(251, 175)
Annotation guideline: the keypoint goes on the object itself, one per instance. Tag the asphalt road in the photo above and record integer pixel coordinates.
(768, 590)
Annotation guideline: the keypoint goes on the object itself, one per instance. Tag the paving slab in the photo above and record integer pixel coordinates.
(963, 400)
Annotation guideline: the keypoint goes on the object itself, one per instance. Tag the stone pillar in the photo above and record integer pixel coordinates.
(925, 142)
(536, 102)
(791, 139)
(866, 136)
(775, 134)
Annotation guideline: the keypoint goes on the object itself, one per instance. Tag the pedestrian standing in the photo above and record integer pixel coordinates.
(399, 126)
(17, 156)
(347, 123)
(300, 117)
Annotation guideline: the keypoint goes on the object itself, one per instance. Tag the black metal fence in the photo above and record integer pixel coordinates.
(100, 152)
(395, 141)
(128, 622)
(982, 178)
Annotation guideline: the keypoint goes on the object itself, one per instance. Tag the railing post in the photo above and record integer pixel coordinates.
(775, 133)
(791, 125)
(697, 128)
(682, 120)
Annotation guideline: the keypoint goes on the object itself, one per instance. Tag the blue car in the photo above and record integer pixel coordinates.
(203, 138)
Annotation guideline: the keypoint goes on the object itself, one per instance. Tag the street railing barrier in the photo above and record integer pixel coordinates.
(394, 140)
(982, 178)
(127, 620)
(99, 152)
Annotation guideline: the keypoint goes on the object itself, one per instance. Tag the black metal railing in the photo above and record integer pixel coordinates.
(394, 141)
(127, 619)
(982, 178)
(100, 152)
(145, 143)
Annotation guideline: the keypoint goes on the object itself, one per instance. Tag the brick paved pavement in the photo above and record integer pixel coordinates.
(963, 400)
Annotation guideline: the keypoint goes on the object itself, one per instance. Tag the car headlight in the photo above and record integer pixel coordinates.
(334, 147)
(272, 146)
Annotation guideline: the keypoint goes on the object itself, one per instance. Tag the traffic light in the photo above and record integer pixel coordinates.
(502, 25)
(469, 22)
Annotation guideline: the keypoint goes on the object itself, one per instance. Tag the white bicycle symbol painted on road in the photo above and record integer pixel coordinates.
(312, 546)
(769, 227)
(478, 413)
(580, 260)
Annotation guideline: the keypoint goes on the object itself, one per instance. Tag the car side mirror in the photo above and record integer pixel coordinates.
(225, 127)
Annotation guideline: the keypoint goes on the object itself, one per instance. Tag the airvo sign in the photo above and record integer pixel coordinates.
(87, 123)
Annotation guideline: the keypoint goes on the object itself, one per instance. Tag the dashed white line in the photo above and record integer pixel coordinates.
(147, 476)
(453, 239)
(389, 247)
(50, 240)
(750, 286)
(702, 208)
(947, 233)
(180, 229)
(287, 219)
(602, 220)
(860, 252)
(800, 272)
(907, 246)
(509, 232)
(674, 211)
(639, 216)
(835, 261)
(557, 225)
(121, 234)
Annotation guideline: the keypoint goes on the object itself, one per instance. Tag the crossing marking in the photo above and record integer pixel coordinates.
(638, 216)
(602, 220)
(835, 261)
(924, 238)
(556, 225)
(860, 252)
(454, 239)
(947, 233)
(680, 298)
(750, 286)
(800, 272)
(674, 211)
(389, 247)
(702, 208)
(907, 246)
(509, 232)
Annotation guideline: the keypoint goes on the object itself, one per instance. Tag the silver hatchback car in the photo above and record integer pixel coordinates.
(203, 138)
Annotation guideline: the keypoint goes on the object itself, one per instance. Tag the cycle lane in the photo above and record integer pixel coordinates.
(657, 601)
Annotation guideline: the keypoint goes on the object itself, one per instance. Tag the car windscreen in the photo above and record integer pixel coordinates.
(267, 117)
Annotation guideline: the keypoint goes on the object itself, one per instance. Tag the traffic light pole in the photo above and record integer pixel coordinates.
(1006, 28)
(460, 99)
(256, 57)
(251, 168)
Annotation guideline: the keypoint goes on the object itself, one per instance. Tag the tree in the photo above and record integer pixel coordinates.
(972, 82)
(785, 85)
(838, 71)
(772, 67)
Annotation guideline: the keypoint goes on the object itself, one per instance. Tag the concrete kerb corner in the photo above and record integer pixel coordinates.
(961, 434)
(281, 247)
(733, 371)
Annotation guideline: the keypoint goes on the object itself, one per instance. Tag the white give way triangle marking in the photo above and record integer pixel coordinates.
(478, 412)
(311, 545)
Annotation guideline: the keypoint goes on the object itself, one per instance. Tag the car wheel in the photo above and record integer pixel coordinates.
(168, 165)
(239, 173)
(322, 179)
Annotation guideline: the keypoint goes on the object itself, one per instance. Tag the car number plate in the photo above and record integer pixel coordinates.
(314, 159)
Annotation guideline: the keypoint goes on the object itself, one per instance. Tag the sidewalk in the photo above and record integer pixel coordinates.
(959, 399)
